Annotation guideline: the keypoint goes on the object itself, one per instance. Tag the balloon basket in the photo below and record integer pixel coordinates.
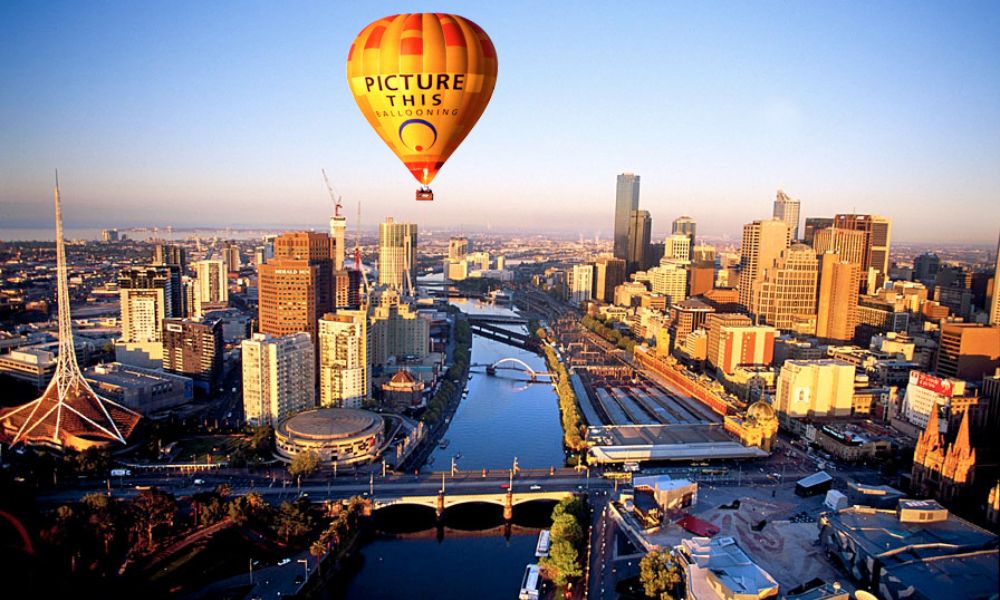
(425, 194)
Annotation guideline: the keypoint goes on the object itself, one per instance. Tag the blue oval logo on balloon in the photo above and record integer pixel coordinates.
(417, 134)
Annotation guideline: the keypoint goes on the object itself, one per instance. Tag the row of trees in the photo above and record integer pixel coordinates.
(438, 404)
(344, 525)
(572, 423)
(623, 341)
(568, 541)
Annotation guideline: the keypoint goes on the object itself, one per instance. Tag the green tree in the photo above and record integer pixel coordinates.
(575, 506)
(244, 508)
(304, 464)
(150, 509)
(292, 521)
(562, 563)
(660, 575)
(566, 527)
(317, 549)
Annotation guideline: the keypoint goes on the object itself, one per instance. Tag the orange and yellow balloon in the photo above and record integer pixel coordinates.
(422, 80)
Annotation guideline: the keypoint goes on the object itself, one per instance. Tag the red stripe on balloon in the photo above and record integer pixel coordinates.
(375, 38)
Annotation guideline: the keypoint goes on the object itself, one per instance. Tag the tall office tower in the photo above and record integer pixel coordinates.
(169, 254)
(786, 297)
(317, 249)
(670, 280)
(626, 202)
(287, 296)
(147, 297)
(344, 359)
(609, 274)
(278, 375)
(397, 254)
(677, 247)
(213, 285)
(968, 351)
(195, 349)
(580, 281)
(837, 316)
(848, 244)
(786, 209)
(763, 242)
(231, 258)
(995, 308)
(637, 247)
(685, 225)
(458, 247)
(813, 226)
(925, 267)
(397, 329)
(877, 239)
(338, 239)
(347, 289)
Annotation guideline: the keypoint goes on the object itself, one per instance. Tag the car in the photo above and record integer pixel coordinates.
(284, 562)
(199, 482)
(535, 488)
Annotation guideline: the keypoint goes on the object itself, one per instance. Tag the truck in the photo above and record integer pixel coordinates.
(121, 472)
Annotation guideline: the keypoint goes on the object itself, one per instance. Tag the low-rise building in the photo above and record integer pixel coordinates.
(717, 569)
(146, 391)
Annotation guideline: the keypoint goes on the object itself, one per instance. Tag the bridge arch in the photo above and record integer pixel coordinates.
(516, 361)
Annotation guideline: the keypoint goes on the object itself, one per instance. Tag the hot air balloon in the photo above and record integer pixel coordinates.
(422, 80)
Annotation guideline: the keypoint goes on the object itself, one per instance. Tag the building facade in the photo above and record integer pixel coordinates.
(278, 375)
(785, 297)
(194, 349)
(344, 359)
(626, 201)
(787, 209)
(762, 244)
(815, 388)
(397, 254)
(837, 316)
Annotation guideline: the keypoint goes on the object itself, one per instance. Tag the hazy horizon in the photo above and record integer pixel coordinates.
(197, 115)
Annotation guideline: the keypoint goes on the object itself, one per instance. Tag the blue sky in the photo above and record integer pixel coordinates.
(223, 113)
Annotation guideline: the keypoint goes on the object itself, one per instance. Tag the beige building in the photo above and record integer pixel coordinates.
(344, 360)
(762, 244)
(397, 254)
(212, 287)
(397, 329)
(277, 377)
(838, 298)
(785, 297)
(581, 283)
(815, 388)
(670, 280)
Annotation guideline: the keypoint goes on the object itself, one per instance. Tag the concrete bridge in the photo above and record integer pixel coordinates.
(502, 319)
(512, 338)
(442, 501)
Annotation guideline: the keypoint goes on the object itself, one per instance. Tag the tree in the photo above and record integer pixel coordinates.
(317, 549)
(102, 518)
(293, 521)
(573, 505)
(660, 574)
(562, 563)
(304, 464)
(243, 508)
(152, 508)
(566, 527)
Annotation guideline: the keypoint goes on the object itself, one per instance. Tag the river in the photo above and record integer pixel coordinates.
(501, 418)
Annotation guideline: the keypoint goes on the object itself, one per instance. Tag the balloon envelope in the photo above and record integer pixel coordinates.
(422, 80)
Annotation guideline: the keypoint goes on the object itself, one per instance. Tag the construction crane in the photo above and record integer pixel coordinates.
(357, 256)
(334, 196)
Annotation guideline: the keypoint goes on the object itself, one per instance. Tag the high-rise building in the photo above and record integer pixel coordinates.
(686, 317)
(877, 239)
(637, 246)
(231, 258)
(685, 225)
(609, 273)
(786, 209)
(458, 247)
(813, 226)
(762, 244)
(626, 202)
(213, 285)
(278, 375)
(344, 360)
(338, 241)
(397, 330)
(837, 316)
(925, 267)
(169, 254)
(786, 296)
(147, 297)
(195, 349)
(670, 280)
(815, 388)
(397, 254)
(580, 281)
(677, 247)
(733, 342)
(995, 306)
(968, 351)
(297, 285)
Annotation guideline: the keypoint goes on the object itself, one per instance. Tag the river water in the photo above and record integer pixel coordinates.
(499, 419)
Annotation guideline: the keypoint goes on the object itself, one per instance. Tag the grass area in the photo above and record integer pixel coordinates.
(196, 449)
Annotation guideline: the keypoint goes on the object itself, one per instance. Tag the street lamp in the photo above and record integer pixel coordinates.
(305, 567)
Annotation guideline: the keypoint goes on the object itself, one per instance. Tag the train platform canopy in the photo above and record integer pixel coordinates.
(639, 443)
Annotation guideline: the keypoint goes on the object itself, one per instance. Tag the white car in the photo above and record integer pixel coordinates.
(535, 488)
(284, 562)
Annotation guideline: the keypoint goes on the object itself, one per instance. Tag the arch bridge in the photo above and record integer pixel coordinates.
(440, 502)
(513, 364)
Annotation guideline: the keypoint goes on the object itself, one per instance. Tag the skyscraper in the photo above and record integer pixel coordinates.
(670, 280)
(837, 316)
(786, 296)
(626, 201)
(580, 280)
(344, 359)
(297, 285)
(338, 231)
(397, 254)
(278, 374)
(637, 248)
(169, 254)
(877, 239)
(195, 349)
(458, 247)
(814, 225)
(397, 329)
(609, 274)
(213, 285)
(786, 209)
(762, 244)
(147, 297)
(995, 308)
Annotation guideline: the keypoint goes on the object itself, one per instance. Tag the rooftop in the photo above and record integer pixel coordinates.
(728, 563)
(330, 423)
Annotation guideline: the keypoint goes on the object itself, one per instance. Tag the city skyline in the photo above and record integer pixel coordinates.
(889, 125)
